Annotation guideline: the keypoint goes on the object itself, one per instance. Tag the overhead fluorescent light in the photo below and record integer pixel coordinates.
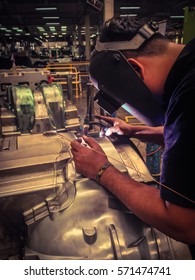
(129, 8)
(51, 17)
(176, 16)
(129, 15)
(83, 27)
(45, 8)
(52, 23)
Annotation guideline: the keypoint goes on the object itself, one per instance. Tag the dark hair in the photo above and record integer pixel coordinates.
(125, 28)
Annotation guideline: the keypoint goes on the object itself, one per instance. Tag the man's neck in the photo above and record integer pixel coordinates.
(157, 68)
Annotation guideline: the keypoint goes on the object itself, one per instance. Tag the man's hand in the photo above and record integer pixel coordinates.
(117, 126)
(142, 132)
(89, 159)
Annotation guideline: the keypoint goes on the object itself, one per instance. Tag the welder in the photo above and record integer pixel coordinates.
(135, 66)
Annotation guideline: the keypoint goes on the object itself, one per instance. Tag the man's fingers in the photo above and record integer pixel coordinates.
(76, 144)
(80, 144)
(91, 142)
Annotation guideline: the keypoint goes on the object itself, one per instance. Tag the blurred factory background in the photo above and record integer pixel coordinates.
(66, 30)
(46, 100)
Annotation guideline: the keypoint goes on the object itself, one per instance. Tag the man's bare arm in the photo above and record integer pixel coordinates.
(145, 202)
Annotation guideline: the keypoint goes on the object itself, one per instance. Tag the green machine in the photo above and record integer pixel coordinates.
(35, 111)
(55, 103)
(21, 103)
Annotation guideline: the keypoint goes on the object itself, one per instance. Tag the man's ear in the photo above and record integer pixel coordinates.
(137, 66)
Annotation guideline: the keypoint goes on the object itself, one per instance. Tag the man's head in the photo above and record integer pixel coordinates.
(141, 58)
(145, 44)
(134, 44)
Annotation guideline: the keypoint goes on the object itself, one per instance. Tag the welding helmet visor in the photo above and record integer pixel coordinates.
(119, 85)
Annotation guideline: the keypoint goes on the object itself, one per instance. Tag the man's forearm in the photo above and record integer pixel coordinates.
(145, 202)
(149, 134)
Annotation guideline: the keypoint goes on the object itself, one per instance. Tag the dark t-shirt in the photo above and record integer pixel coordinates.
(179, 153)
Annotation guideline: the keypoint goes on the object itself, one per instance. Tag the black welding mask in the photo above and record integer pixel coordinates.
(120, 86)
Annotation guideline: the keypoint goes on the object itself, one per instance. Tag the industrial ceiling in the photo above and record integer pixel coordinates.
(22, 19)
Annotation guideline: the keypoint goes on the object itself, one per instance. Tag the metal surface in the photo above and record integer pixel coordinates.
(48, 211)
(30, 175)
(97, 226)
(62, 215)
